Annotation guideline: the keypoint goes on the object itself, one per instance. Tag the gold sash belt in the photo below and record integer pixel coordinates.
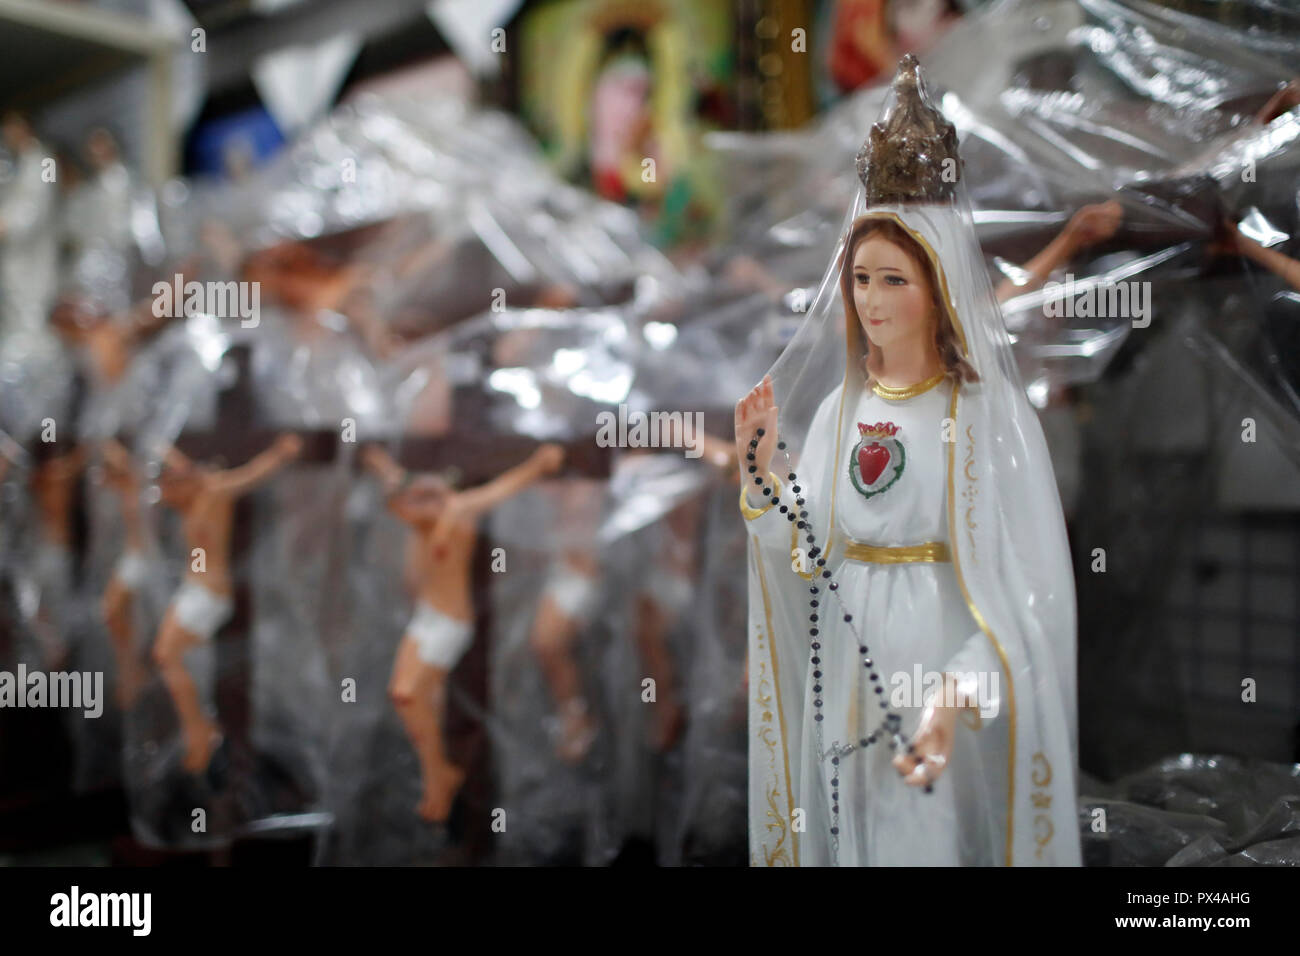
(931, 552)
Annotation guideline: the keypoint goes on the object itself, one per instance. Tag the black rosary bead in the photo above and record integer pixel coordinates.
(750, 457)
(784, 509)
(760, 433)
(812, 603)
(816, 660)
(848, 618)
(817, 674)
(791, 476)
(758, 481)
(834, 585)
(812, 590)
(813, 632)
(766, 492)
(781, 444)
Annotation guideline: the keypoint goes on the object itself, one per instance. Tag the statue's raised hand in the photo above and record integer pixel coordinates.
(756, 410)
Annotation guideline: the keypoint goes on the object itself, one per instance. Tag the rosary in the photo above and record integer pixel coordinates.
(892, 721)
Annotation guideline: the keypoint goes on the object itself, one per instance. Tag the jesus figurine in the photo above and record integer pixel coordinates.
(205, 497)
(445, 523)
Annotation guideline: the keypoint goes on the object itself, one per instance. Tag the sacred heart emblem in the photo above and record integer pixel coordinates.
(877, 459)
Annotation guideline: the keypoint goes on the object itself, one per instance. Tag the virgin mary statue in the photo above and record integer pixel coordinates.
(911, 599)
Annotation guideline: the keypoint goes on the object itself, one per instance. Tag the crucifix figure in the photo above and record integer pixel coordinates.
(205, 496)
(54, 482)
(129, 573)
(445, 523)
(567, 602)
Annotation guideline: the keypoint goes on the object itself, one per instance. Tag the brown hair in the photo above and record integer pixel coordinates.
(946, 341)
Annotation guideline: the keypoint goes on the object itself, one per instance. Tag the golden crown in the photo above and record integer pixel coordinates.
(910, 155)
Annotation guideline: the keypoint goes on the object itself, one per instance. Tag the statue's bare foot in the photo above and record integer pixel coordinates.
(440, 789)
(577, 731)
(200, 744)
(666, 723)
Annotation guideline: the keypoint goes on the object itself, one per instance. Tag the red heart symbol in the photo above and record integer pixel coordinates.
(872, 460)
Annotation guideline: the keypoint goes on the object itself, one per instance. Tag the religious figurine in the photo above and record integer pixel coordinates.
(564, 610)
(53, 483)
(445, 523)
(205, 496)
(29, 246)
(129, 573)
(912, 616)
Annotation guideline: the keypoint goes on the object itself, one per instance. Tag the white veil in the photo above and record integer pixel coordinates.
(1006, 534)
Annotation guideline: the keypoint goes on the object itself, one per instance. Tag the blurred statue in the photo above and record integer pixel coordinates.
(205, 497)
(445, 523)
(129, 573)
(29, 234)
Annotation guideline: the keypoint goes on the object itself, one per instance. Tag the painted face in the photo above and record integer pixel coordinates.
(891, 294)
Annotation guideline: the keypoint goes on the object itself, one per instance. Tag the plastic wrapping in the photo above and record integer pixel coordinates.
(428, 287)
(262, 676)
(1059, 106)
(568, 624)
(1193, 810)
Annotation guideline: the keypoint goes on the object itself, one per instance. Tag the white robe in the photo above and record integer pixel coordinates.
(915, 623)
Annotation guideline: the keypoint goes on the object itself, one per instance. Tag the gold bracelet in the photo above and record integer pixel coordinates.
(750, 512)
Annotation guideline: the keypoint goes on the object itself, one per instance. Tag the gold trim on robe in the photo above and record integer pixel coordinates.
(780, 716)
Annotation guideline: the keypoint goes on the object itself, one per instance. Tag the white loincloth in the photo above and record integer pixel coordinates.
(199, 610)
(440, 640)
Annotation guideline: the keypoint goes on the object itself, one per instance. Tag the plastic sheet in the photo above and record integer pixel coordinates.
(1194, 810)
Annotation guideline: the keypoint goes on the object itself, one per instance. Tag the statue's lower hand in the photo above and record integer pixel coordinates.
(931, 747)
(756, 410)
